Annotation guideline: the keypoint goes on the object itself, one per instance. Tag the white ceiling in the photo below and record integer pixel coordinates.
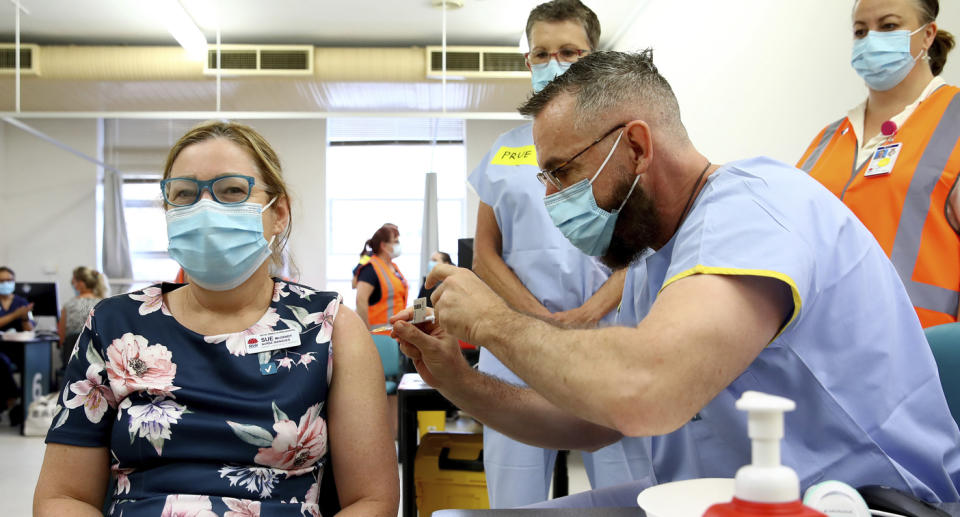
(316, 22)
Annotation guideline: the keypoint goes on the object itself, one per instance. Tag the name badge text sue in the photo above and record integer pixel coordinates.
(273, 341)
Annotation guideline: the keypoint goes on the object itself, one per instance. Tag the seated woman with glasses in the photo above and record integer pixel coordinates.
(218, 397)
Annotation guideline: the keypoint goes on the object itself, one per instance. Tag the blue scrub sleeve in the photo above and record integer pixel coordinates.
(731, 231)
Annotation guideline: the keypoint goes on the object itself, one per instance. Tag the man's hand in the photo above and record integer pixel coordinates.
(435, 354)
(578, 318)
(463, 303)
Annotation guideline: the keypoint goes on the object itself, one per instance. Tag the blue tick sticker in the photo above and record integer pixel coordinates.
(268, 368)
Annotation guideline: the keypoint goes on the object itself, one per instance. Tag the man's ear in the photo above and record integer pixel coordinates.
(640, 144)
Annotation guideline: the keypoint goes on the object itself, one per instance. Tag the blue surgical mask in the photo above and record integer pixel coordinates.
(575, 212)
(883, 59)
(542, 74)
(219, 246)
(6, 288)
(431, 264)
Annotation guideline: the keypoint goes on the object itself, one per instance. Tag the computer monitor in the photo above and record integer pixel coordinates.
(43, 296)
(465, 253)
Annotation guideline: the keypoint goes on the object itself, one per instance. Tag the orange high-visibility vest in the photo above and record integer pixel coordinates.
(393, 292)
(906, 209)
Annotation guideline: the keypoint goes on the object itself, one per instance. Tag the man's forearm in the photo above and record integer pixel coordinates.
(573, 369)
(523, 415)
(7, 318)
(498, 275)
(608, 297)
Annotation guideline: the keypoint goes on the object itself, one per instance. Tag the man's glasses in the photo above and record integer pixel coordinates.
(551, 175)
(226, 190)
(567, 55)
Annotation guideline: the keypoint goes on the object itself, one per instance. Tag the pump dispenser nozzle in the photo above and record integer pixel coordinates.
(765, 487)
(765, 480)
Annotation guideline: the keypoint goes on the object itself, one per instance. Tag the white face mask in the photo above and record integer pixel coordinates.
(396, 250)
(883, 59)
(219, 246)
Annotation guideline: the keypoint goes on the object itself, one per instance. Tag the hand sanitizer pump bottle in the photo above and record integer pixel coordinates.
(765, 487)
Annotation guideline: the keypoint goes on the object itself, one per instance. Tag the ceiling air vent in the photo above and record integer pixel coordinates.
(28, 59)
(261, 60)
(477, 63)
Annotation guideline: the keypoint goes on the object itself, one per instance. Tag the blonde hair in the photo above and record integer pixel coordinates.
(92, 279)
(268, 164)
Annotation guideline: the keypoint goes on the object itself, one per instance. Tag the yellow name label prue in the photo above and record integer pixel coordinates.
(526, 155)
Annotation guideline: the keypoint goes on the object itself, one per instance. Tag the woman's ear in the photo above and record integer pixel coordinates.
(929, 35)
(281, 210)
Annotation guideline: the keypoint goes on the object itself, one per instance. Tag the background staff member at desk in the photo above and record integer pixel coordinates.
(522, 256)
(752, 270)
(14, 315)
(895, 158)
(14, 310)
(381, 287)
(438, 257)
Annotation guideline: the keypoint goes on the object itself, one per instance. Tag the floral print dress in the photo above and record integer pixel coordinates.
(195, 425)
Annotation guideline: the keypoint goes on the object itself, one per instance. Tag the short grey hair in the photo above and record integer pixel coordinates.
(564, 10)
(604, 81)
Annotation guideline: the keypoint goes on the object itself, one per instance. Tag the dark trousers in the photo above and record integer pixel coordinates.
(8, 388)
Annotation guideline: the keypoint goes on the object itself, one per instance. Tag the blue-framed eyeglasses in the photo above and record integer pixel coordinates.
(230, 189)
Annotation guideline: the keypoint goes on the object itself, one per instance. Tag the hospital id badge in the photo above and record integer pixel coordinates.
(883, 160)
(273, 341)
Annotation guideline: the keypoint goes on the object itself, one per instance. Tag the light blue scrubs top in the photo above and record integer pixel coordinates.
(561, 277)
(870, 409)
(552, 269)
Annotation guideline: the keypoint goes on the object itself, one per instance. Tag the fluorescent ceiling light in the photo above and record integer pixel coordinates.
(181, 26)
(205, 13)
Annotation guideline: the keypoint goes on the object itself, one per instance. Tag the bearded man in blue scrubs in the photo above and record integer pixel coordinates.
(742, 276)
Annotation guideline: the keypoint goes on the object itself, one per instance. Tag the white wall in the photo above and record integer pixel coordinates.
(480, 136)
(47, 201)
(759, 77)
(302, 147)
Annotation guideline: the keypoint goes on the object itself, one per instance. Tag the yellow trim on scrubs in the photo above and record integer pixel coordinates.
(731, 271)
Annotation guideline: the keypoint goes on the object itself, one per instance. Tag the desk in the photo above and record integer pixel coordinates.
(413, 395)
(33, 358)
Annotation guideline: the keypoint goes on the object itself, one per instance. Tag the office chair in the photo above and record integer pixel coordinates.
(390, 357)
(945, 342)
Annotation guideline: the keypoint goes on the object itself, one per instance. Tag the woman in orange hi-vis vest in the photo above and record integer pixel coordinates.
(381, 288)
(894, 159)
